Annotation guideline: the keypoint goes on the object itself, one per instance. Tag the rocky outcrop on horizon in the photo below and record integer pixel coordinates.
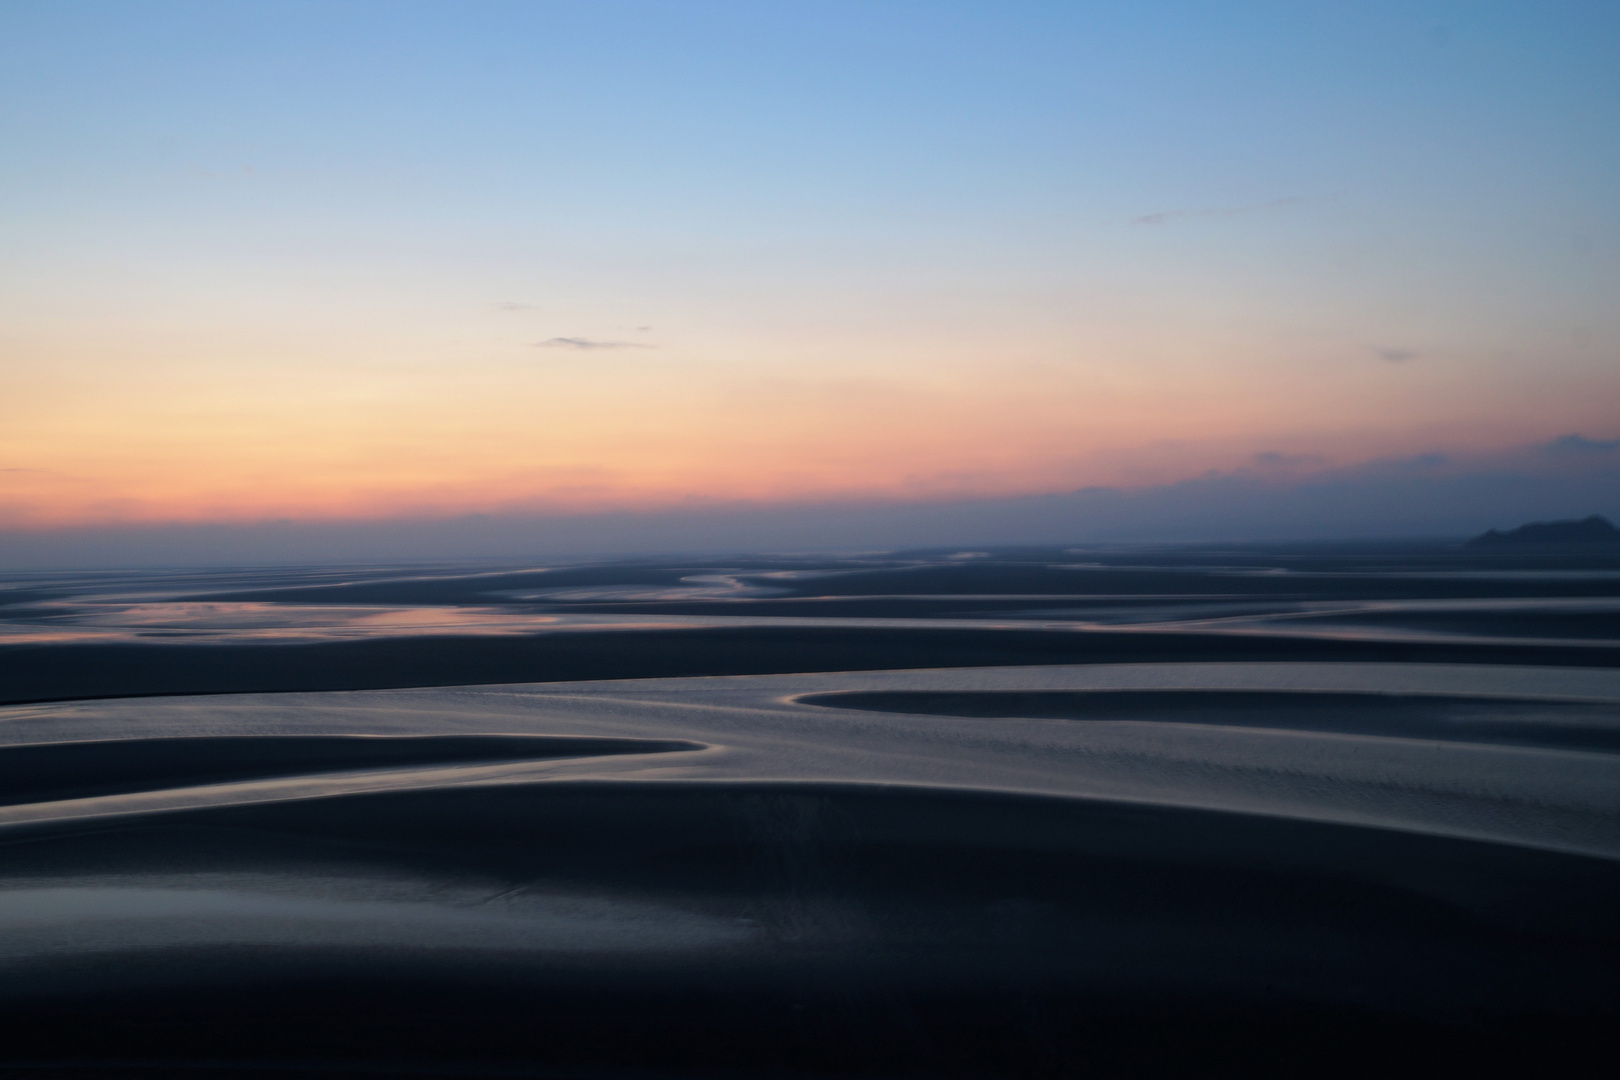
(1592, 530)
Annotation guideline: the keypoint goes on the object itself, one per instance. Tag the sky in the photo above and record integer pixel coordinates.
(338, 265)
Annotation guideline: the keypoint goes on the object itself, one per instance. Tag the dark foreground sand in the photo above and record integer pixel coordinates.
(670, 878)
(811, 929)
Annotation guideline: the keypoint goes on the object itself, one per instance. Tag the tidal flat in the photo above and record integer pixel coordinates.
(1238, 810)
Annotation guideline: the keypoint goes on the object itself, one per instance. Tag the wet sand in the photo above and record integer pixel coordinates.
(68, 672)
(969, 851)
(1468, 718)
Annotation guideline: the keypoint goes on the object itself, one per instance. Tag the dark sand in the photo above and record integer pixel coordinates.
(46, 772)
(94, 670)
(1504, 721)
(856, 932)
(1319, 868)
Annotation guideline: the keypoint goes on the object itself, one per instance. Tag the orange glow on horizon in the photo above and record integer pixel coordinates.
(125, 425)
(214, 458)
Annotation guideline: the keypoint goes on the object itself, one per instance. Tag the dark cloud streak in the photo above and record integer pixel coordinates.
(1580, 444)
(1164, 216)
(587, 343)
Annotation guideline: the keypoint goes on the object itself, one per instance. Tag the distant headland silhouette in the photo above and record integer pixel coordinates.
(1592, 530)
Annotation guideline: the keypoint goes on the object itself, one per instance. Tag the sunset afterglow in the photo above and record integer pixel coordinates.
(511, 258)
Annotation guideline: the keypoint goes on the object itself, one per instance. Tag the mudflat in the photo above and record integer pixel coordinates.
(1187, 832)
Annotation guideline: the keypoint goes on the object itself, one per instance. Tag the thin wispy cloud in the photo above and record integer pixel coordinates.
(1397, 356)
(513, 305)
(1165, 216)
(587, 343)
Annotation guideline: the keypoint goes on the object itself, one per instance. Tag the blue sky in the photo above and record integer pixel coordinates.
(354, 260)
